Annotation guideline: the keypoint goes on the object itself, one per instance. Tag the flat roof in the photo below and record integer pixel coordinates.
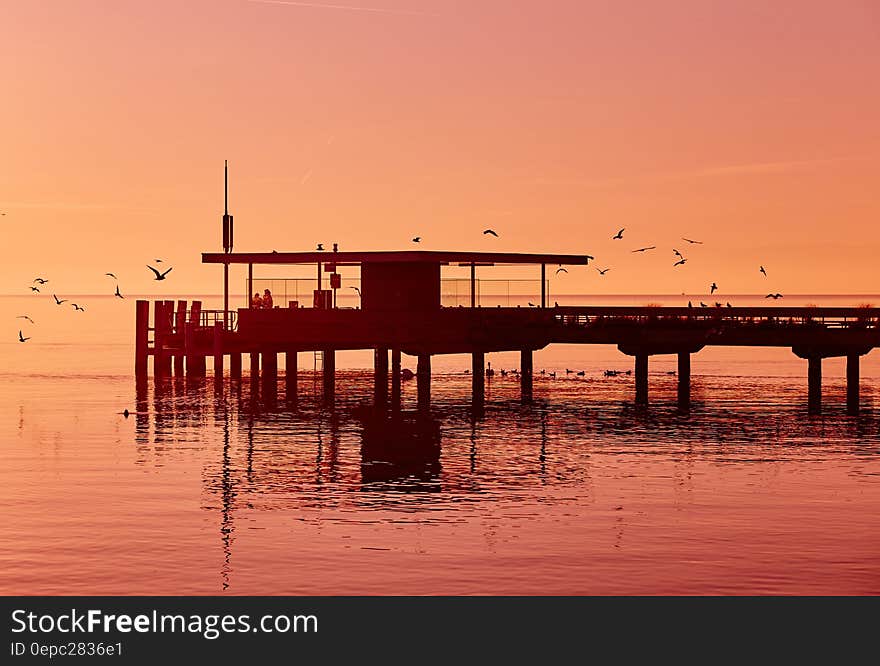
(405, 256)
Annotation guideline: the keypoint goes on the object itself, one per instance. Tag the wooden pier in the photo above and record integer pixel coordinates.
(401, 313)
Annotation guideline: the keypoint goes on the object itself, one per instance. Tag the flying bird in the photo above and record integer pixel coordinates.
(41, 280)
(679, 262)
(677, 253)
(59, 301)
(773, 296)
(25, 317)
(619, 234)
(21, 338)
(160, 276)
(111, 275)
(117, 294)
(36, 289)
(78, 307)
(320, 247)
(561, 270)
(695, 242)
(763, 271)
(603, 271)
(417, 239)
(158, 261)
(712, 288)
(644, 249)
(490, 232)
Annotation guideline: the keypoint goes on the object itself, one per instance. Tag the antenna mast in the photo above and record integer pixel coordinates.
(227, 218)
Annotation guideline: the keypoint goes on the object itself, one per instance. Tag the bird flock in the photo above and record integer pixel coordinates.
(39, 283)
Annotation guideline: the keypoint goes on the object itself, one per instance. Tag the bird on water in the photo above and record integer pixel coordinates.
(160, 276)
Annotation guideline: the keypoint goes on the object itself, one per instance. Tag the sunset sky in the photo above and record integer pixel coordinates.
(753, 126)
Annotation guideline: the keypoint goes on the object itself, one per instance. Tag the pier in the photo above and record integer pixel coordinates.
(401, 311)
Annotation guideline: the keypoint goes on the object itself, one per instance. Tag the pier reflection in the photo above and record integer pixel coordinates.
(400, 452)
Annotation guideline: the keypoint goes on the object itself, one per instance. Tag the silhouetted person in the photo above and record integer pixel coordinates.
(256, 302)
(267, 299)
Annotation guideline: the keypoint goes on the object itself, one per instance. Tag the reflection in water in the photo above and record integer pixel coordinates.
(323, 465)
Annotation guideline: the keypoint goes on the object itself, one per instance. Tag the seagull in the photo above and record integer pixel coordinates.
(25, 317)
(41, 280)
(532, 305)
(158, 261)
(78, 307)
(717, 304)
(677, 253)
(763, 271)
(729, 305)
(21, 338)
(118, 295)
(417, 239)
(160, 276)
(703, 305)
(644, 249)
(356, 289)
(695, 242)
(57, 301)
(320, 247)
(603, 271)
(111, 275)
(490, 232)
(712, 288)
(690, 305)
(679, 262)
(773, 296)
(619, 234)
(36, 289)
(561, 270)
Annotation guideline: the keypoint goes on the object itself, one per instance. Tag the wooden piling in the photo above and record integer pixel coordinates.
(641, 379)
(291, 375)
(197, 357)
(329, 375)
(255, 373)
(814, 384)
(160, 328)
(270, 373)
(478, 378)
(852, 384)
(235, 366)
(218, 353)
(684, 380)
(423, 379)
(179, 334)
(525, 374)
(380, 377)
(395, 379)
(141, 339)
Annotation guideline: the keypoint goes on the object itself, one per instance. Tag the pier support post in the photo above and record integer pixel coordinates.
(380, 372)
(195, 359)
(270, 375)
(218, 354)
(423, 378)
(179, 327)
(141, 337)
(235, 366)
(329, 375)
(814, 384)
(255, 373)
(684, 380)
(525, 374)
(641, 379)
(852, 384)
(395, 379)
(161, 361)
(478, 378)
(290, 375)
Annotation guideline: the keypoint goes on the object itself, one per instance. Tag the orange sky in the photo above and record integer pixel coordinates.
(752, 126)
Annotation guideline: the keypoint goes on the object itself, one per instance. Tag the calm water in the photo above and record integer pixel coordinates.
(579, 493)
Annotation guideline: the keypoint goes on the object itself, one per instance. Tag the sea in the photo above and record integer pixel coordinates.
(204, 492)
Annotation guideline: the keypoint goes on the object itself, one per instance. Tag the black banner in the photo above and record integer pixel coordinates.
(116, 630)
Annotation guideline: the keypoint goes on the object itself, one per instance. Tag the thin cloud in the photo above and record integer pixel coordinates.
(350, 8)
(725, 170)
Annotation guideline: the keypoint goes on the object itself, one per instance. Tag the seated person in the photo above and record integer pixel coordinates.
(256, 301)
(267, 299)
